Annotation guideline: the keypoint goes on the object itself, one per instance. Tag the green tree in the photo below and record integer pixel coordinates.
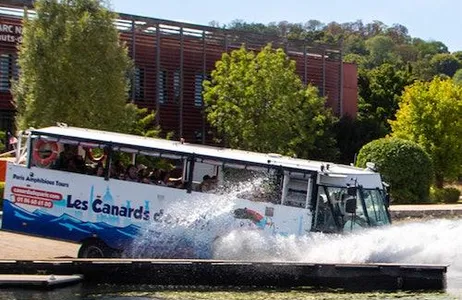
(429, 114)
(403, 164)
(458, 55)
(73, 68)
(144, 124)
(258, 102)
(429, 48)
(380, 50)
(457, 78)
(379, 92)
(445, 63)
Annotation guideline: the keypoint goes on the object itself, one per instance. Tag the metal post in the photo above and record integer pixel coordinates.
(341, 109)
(309, 191)
(190, 174)
(181, 79)
(157, 74)
(134, 58)
(204, 70)
(29, 151)
(323, 72)
(305, 64)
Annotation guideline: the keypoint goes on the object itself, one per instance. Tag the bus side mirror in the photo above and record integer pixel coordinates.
(350, 205)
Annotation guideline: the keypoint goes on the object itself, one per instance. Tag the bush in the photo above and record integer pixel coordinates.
(403, 164)
(445, 195)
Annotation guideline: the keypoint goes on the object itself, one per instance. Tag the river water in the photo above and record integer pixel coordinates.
(436, 241)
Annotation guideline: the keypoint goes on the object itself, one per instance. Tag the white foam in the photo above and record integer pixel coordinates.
(200, 221)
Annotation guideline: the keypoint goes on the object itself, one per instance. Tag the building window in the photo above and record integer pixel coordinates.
(176, 85)
(198, 89)
(139, 83)
(8, 70)
(162, 92)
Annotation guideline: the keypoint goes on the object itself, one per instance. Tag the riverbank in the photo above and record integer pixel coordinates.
(425, 211)
(19, 246)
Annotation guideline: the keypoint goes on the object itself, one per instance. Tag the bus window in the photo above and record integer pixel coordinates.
(296, 192)
(375, 206)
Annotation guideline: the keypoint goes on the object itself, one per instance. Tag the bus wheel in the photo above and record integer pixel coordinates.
(95, 248)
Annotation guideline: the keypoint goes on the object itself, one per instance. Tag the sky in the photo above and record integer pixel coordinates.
(439, 20)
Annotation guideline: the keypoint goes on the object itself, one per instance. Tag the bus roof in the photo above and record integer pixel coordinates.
(226, 155)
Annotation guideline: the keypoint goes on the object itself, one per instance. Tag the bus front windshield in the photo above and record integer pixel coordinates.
(375, 207)
(331, 209)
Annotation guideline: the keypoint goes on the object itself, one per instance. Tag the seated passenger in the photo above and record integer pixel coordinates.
(76, 164)
(208, 183)
(143, 175)
(117, 169)
(164, 178)
(63, 158)
(132, 173)
(99, 170)
(154, 176)
(176, 178)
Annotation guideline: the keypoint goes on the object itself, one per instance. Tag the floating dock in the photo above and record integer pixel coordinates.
(42, 281)
(238, 273)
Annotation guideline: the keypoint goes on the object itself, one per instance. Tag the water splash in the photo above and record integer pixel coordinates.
(192, 225)
(431, 242)
(199, 221)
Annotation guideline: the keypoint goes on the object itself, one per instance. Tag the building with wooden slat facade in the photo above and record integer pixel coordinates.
(173, 58)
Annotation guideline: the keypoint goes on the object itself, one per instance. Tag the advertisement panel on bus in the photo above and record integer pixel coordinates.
(75, 207)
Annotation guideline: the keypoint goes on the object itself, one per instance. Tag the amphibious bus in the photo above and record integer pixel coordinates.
(111, 191)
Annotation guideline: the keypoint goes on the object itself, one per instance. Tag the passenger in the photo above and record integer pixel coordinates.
(154, 176)
(143, 175)
(71, 166)
(132, 173)
(79, 164)
(164, 178)
(206, 184)
(176, 178)
(213, 182)
(100, 170)
(117, 169)
(64, 158)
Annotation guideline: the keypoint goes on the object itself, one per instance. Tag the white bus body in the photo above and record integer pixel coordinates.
(107, 215)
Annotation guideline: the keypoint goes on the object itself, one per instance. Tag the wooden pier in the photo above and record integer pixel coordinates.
(238, 273)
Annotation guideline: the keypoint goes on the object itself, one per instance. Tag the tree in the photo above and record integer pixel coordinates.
(379, 92)
(445, 63)
(73, 68)
(429, 48)
(403, 164)
(429, 114)
(457, 78)
(145, 123)
(380, 49)
(458, 55)
(257, 102)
